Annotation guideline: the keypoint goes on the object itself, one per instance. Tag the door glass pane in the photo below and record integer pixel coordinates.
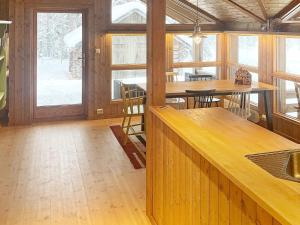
(59, 59)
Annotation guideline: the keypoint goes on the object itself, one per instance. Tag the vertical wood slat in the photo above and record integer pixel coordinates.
(194, 192)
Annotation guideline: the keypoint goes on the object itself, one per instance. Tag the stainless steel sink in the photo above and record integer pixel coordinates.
(284, 164)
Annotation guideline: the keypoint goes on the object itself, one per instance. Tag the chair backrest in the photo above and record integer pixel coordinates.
(200, 77)
(297, 89)
(239, 104)
(171, 77)
(202, 99)
(133, 99)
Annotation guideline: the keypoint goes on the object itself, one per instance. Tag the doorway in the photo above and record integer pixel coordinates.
(59, 65)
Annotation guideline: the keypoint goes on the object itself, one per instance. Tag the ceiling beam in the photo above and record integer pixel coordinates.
(288, 10)
(245, 11)
(263, 9)
(201, 11)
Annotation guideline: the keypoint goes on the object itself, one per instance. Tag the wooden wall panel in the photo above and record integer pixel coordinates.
(188, 190)
(4, 9)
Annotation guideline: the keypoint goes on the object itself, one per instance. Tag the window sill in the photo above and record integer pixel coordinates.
(287, 117)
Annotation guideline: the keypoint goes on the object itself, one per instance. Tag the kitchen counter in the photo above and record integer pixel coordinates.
(224, 140)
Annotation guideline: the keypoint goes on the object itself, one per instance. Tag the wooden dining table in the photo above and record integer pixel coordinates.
(222, 88)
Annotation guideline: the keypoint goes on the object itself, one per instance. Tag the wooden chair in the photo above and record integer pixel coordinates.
(204, 77)
(297, 89)
(202, 99)
(239, 104)
(172, 77)
(133, 106)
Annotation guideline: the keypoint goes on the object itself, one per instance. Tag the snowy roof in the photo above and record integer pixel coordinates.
(74, 37)
(120, 12)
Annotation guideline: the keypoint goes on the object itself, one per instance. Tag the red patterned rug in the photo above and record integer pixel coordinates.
(135, 148)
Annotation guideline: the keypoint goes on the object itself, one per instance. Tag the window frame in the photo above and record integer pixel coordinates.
(196, 64)
(120, 67)
(280, 73)
(233, 60)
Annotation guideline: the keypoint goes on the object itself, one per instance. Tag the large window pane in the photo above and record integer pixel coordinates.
(129, 49)
(128, 77)
(185, 50)
(248, 50)
(287, 101)
(59, 59)
(292, 55)
(129, 12)
(183, 72)
(209, 48)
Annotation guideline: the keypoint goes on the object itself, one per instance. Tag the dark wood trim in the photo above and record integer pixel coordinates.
(286, 10)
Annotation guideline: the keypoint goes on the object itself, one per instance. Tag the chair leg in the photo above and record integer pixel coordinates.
(123, 122)
(127, 131)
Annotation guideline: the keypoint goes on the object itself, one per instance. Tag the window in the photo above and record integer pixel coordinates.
(170, 20)
(129, 49)
(129, 52)
(128, 77)
(129, 12)
(248, 50)
(207, 70)
(292, 60)
(287, 101)
(185, 50)
(244, 53)
(288, 66)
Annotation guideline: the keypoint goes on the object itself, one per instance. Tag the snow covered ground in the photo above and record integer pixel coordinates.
(55, 85)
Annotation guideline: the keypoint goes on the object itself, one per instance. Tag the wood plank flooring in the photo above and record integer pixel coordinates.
(69, 173)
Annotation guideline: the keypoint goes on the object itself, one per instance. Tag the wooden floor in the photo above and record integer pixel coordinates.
(68, 173)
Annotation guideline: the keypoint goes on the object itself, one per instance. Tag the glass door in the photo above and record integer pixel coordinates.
(60, 63)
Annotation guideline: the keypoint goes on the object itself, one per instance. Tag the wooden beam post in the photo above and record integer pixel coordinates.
(156, 68)
(156, 60)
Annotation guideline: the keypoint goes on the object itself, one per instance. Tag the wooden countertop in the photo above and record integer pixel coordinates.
(224, 139)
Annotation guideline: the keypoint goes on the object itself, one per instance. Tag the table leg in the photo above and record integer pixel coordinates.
(143, 120)
(143, 123)
(268, 109)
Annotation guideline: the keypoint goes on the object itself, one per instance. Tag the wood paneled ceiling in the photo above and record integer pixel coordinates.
(218, 11)
(275, 6)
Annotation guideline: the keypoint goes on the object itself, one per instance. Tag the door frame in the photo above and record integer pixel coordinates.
(61, 112)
